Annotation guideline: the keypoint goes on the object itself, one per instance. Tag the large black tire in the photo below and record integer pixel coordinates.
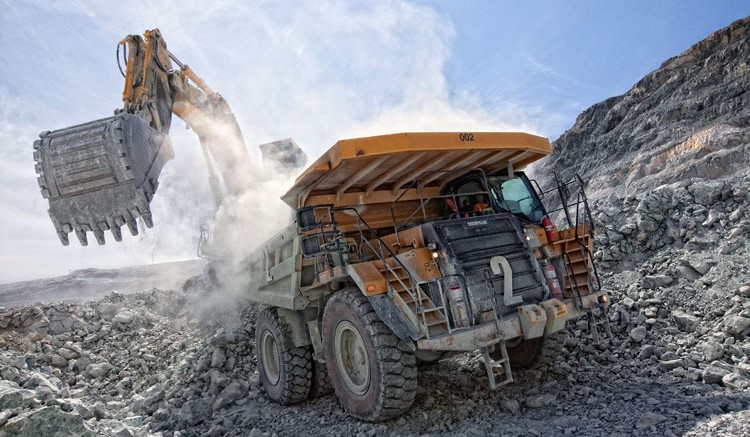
(321, 381)
(285, 370)
(373, 372)
(522, 355)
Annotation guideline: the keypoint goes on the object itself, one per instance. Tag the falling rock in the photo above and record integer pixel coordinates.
(638, 334)
(656, 281)
(648, 419)
(47, 421)
(685, 322)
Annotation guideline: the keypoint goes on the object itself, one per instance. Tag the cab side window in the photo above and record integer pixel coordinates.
(471, 197)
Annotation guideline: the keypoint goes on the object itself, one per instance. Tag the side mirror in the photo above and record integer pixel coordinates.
(307, 220)
(311, 246)
(319, 244)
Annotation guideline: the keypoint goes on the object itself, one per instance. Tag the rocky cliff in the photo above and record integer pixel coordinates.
(689, 118)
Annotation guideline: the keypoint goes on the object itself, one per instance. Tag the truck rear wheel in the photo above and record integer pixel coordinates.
(285, 370)
(372, 371)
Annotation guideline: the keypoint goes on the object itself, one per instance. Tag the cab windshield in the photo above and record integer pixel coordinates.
(516, 195)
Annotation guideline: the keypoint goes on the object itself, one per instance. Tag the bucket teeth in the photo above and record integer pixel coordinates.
(116, 233)
(81, 234)
(99, 237)
(148, 219)
(123, 156)
(132, 227)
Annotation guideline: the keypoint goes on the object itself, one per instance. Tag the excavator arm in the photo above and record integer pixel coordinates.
(101, 175)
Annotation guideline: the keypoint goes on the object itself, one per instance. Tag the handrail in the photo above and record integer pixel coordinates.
(570, 276)
(413, 284)
(582, 211)
(423, 202)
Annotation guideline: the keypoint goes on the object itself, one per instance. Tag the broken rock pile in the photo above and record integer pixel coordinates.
(117, 366)
(682, 287)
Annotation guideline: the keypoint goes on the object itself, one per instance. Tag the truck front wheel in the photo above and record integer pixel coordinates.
(373, 372)
(285, 370)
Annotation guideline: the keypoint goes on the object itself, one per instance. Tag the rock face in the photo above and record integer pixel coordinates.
(689, 118)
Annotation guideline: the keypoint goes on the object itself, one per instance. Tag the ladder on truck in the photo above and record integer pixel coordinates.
(581, 276)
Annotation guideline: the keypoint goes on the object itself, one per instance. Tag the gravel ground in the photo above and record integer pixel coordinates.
(182, 362)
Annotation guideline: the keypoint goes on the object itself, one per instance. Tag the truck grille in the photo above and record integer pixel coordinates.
(472, 242)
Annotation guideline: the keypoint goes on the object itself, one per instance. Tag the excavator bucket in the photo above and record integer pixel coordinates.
(100, 175)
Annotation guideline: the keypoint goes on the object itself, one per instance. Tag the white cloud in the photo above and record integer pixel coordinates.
(314, 71)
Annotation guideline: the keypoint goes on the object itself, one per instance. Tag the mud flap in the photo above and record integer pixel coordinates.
(100, 175)
(394, 319)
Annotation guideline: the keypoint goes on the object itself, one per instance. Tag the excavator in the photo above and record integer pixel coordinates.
(404, 248)
(101, 175)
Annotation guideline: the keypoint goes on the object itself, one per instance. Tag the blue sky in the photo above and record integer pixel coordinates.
(317, 72)
(557, 58)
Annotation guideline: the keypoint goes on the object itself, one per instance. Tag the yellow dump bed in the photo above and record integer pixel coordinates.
(371, 166)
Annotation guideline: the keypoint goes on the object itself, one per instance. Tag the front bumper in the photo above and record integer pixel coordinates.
(530, 321)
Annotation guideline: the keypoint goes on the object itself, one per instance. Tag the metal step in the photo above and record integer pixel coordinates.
(503, 364)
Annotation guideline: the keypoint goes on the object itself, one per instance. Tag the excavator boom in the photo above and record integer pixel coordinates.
(101, 175)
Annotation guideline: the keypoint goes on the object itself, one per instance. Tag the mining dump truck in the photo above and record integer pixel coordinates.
(412, 247)
(403, 248)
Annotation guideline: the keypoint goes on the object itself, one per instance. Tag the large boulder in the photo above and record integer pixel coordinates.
(12, 396)
(48, 422)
